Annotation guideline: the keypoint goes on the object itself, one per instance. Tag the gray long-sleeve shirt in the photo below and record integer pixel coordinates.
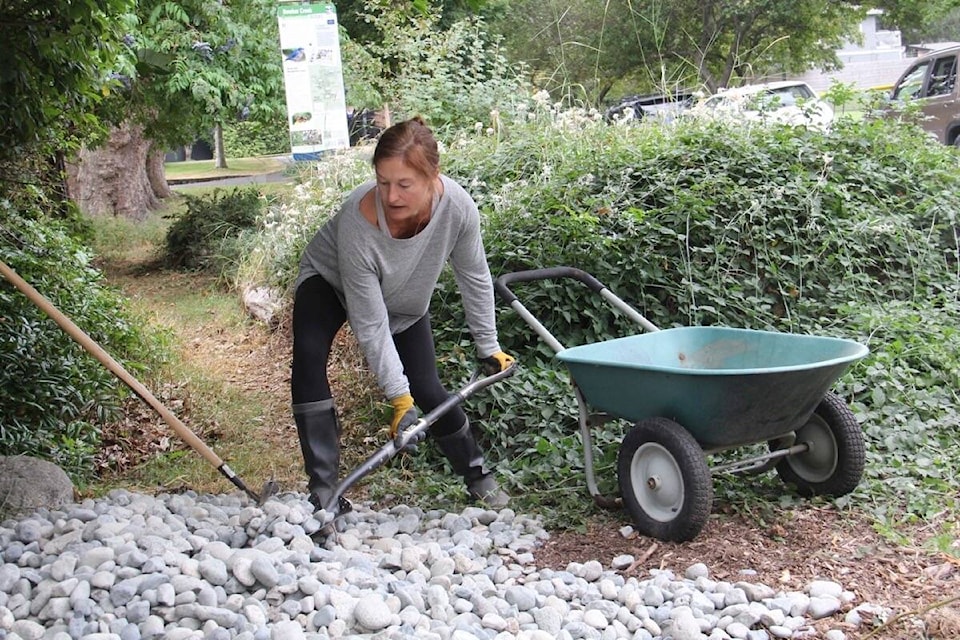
(386, 283)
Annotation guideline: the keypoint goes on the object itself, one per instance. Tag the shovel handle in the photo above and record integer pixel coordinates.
(416, 432)
(98, 352)
(94, 349)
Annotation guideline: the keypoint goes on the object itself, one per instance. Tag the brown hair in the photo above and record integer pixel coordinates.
(413, 141)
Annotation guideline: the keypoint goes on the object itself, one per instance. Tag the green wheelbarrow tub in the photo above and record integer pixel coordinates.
(728, 387)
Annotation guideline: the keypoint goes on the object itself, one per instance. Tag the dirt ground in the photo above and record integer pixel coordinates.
(919, 589)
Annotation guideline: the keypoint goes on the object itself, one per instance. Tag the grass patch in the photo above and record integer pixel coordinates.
(201, 169)
(204, 379)
(120, 240)
(246, 424)
(270, 190)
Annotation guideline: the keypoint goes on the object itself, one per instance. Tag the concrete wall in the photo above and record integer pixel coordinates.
(878, 60)
(863, 74)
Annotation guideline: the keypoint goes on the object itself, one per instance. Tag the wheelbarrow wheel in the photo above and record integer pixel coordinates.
(664, 480)
(833, 465)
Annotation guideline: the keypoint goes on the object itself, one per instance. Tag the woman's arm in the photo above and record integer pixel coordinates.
(469, 262)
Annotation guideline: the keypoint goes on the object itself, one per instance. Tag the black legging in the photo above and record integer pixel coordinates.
(318, 316)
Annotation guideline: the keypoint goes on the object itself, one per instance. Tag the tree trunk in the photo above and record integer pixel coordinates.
(112, 179)
(218, 152)
(157, 173)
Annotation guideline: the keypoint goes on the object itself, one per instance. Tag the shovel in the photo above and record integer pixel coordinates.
(413, 434)
(94, 349)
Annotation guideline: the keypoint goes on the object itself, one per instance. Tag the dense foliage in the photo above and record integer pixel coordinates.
(585, 49)
(203, 237)
(253, 138)
(56, 396)
(189, 66)
(55, 61)
(452, 76)
(849, 233)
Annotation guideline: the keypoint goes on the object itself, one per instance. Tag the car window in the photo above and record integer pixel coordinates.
(780, 97)
(943, 76)
(911, 87)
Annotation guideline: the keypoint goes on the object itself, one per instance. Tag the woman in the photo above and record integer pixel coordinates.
(375, 264)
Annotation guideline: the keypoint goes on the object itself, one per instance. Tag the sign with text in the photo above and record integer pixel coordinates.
(313, 78)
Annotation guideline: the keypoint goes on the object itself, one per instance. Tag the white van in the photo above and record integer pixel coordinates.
(787, 102)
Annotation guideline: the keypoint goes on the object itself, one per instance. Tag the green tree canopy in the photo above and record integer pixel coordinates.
(660, 44)
(920, 19)
(55, 60)
(191, 65)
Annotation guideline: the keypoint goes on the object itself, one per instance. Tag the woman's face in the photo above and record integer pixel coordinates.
(404, 192)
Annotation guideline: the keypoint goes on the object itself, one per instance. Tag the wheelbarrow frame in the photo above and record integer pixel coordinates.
(824, 425)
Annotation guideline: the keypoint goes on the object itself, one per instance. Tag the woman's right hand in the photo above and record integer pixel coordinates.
(404, 414)
(496, 363)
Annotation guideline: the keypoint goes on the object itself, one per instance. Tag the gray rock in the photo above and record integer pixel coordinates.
(191, 567)
(28, 483)
(823, 607)
(372, 613)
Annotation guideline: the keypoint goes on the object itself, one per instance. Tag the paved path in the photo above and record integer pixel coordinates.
(276, 176)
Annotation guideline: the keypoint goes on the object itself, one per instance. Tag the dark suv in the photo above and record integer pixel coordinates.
(662, 105)
(933, 80)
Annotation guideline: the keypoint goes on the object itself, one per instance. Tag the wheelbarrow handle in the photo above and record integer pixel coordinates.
(549, 273)
(501, 285)
(416, 432)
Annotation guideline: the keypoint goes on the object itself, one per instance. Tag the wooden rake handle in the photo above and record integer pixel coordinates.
(98, 352)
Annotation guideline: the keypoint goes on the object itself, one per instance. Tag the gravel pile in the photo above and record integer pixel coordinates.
(188, 566)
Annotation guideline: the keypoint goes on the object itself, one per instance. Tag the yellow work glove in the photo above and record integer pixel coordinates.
(404, 414)
(496, 363)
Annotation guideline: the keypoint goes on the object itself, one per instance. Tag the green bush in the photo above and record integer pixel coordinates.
(849, 233)
(204, 236)
(453, 77)
(252, 139)
(56, 396)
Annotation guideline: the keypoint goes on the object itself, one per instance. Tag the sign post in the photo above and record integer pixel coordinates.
(313, 78)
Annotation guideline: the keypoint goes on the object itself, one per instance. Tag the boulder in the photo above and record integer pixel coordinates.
(263, 303)
(28, 483)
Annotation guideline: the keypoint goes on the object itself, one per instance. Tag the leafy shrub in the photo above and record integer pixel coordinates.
(250, 139)
(271, 255)
(201, 238)
(850, 233)
(55, 395)
(767, 228)
(454, 76)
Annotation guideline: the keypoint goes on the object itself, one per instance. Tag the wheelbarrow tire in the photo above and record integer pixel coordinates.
(664, 480)
(834, 464)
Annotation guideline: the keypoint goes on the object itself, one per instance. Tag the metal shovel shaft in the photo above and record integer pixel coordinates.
(415, 433)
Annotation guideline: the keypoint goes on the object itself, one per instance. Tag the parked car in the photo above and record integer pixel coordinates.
(787, 102)
(665, 106)
(932, 79)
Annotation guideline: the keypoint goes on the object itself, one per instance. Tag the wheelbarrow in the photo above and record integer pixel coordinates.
(691, 392)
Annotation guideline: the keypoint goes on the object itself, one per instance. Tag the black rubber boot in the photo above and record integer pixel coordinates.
(465, 457)
(319, 432)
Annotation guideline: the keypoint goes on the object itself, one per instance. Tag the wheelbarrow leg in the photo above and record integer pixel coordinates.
(585, 426)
